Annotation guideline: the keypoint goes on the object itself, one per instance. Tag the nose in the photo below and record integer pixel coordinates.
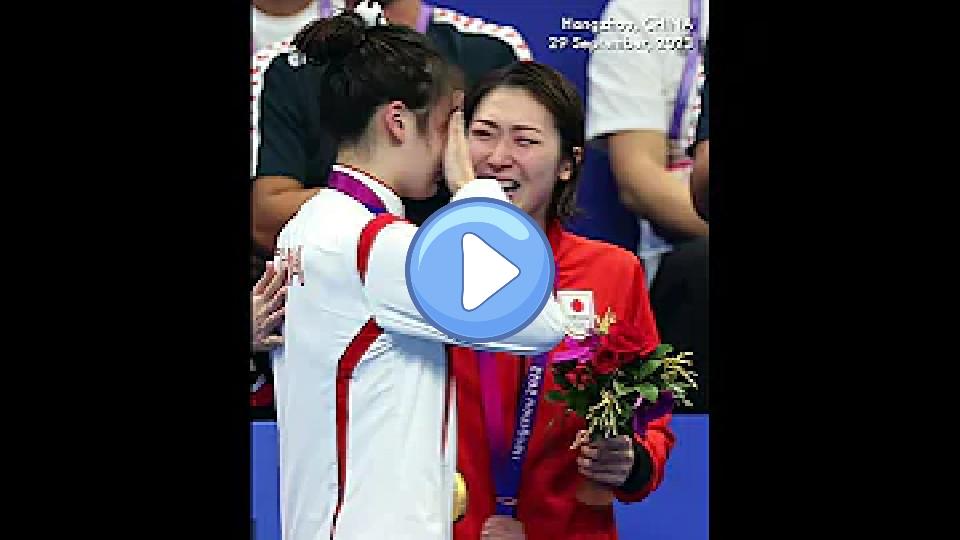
(500, 157)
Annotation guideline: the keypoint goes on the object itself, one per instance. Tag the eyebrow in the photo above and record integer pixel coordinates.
(527, 128)
(520, 127)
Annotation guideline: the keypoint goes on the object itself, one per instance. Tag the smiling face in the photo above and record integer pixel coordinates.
(513, 138)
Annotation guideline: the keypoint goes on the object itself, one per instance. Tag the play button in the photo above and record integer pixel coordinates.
(484, 271)
(479, 270)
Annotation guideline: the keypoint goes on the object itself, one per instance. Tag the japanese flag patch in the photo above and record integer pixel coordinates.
(579, 312)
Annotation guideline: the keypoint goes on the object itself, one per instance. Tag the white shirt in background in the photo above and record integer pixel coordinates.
(269, 29)
(637, 90)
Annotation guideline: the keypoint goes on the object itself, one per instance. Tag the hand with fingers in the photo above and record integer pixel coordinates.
(502, 528)
(607, 461)
(267, 309)
(457, 165)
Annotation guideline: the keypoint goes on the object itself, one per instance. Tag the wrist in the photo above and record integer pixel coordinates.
(642, 469)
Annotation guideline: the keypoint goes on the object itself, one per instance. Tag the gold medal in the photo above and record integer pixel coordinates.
(459, 497)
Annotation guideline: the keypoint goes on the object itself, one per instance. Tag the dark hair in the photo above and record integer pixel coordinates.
(558, 95)
(359, 68)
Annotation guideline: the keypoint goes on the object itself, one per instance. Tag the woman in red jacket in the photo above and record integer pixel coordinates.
(525, 126)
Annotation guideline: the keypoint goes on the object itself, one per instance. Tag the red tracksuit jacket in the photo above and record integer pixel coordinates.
(547, 505)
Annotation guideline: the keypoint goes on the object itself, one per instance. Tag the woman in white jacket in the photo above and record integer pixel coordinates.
(363, 393)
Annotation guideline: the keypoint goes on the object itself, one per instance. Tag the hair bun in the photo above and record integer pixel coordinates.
(331, 40)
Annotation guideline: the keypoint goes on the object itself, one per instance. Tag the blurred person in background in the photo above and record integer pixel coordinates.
(277, 21)
(266, 319)
(643, 106)
(700, 177)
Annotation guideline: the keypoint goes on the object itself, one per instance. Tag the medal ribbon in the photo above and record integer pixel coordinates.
(348, 185)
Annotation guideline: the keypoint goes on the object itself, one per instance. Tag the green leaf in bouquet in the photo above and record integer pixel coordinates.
(662, 350)
(624, 415)
(647, 368)
(619, 388)
(593, 392)
(642, 370)
(649, 392)
(578, 403)
(556, 396)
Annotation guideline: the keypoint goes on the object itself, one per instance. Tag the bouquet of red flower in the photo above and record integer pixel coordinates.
(615, 382)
